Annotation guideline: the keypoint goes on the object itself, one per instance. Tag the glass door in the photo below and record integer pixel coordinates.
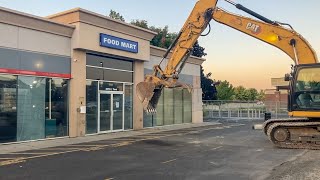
(117, 111)
(111, 114)
(105, 114)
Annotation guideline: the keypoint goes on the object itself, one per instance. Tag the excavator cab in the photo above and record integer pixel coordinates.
(304, 94)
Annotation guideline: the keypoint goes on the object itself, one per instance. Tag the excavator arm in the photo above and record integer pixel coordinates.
(149, 91)
(271, 32)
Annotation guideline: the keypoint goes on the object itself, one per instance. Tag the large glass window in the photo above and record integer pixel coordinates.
(307, 89)
(32, 108)
(109, 69)
(107, 62)
(174, 107)
(128, 113)
(56, 108)
(92, 107)
(8, 108)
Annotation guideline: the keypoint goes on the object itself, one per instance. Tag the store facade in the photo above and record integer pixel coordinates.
(108, 60)
(35, 59)
(74, 74)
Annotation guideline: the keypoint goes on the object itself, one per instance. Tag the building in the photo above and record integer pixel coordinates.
(280, 93)
(74, 73)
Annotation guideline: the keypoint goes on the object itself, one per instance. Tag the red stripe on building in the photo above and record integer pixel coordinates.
(34, 73)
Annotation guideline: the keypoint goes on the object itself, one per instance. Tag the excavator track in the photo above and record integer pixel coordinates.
(295, 134)
(269, 122)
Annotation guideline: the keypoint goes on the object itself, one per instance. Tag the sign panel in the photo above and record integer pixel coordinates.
(118, 43)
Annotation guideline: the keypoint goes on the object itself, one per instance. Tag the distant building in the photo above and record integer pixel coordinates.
(280, 91)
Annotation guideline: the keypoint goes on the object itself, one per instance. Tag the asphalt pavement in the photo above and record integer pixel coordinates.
(230, 150)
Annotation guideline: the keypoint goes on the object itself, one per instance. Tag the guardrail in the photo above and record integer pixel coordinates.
(244, 109)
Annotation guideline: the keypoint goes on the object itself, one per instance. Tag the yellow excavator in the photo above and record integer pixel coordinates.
(302, 129)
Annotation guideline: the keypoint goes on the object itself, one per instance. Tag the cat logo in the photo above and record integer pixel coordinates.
(254, 28)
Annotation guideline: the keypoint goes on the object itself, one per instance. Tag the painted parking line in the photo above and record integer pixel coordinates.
(6, 158)
(109, 179)
(95, 147)
(219, 147)
(165, 162)
(30, 153)
(84, 145)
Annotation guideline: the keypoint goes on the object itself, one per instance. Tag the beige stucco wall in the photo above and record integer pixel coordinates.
(77, 94)
(89, 39)
(32, 40)
(137, 105)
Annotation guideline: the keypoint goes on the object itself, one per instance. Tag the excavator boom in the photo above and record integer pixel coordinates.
(287, 40)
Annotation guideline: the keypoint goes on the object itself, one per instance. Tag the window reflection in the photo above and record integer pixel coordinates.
(8, 110)
(56, 108)
(128, 113)
(307, 89)
(92, 107)
(32, 108)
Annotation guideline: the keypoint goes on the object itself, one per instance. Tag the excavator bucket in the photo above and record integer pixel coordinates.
(149, 95)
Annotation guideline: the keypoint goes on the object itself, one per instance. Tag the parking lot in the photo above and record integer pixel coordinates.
(230, 150)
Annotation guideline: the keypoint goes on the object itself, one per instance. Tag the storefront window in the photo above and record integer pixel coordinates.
(92, 107)
(128, 113)
(30, 108)
(56, 108)
(8, 108)
(187, 106)
(174, 107)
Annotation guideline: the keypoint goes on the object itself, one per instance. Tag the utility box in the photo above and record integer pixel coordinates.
(267, 116)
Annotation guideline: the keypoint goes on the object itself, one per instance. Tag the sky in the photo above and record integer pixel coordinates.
(232, 55)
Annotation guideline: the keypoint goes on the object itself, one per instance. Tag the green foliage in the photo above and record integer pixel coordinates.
(164, 38)
(209, 91)
(261, 95)
(225, 91)
(198, 51)
(243, 94)
(240, 93)
(253, 94)
(115, 15)
(140, 23)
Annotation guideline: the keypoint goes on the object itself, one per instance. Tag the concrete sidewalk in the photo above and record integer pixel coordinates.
(40, 144)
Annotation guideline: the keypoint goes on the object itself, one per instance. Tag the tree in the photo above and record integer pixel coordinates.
(164, 38)
(209, 91)
(241, 94)
(225, 91)
(261, 96)
(253, 94)
(115, 15)
(140, 23)
(198, 51)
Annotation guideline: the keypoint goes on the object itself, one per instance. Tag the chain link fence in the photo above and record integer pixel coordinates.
(244, 109)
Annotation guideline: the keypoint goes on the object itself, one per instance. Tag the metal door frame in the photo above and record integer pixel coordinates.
(111, 93)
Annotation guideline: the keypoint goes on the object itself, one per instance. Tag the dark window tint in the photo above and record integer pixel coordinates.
(109, 75)
(92, 107)
(8, 108)
(107, 62)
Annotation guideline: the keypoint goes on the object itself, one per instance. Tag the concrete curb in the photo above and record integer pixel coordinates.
(33, 145)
